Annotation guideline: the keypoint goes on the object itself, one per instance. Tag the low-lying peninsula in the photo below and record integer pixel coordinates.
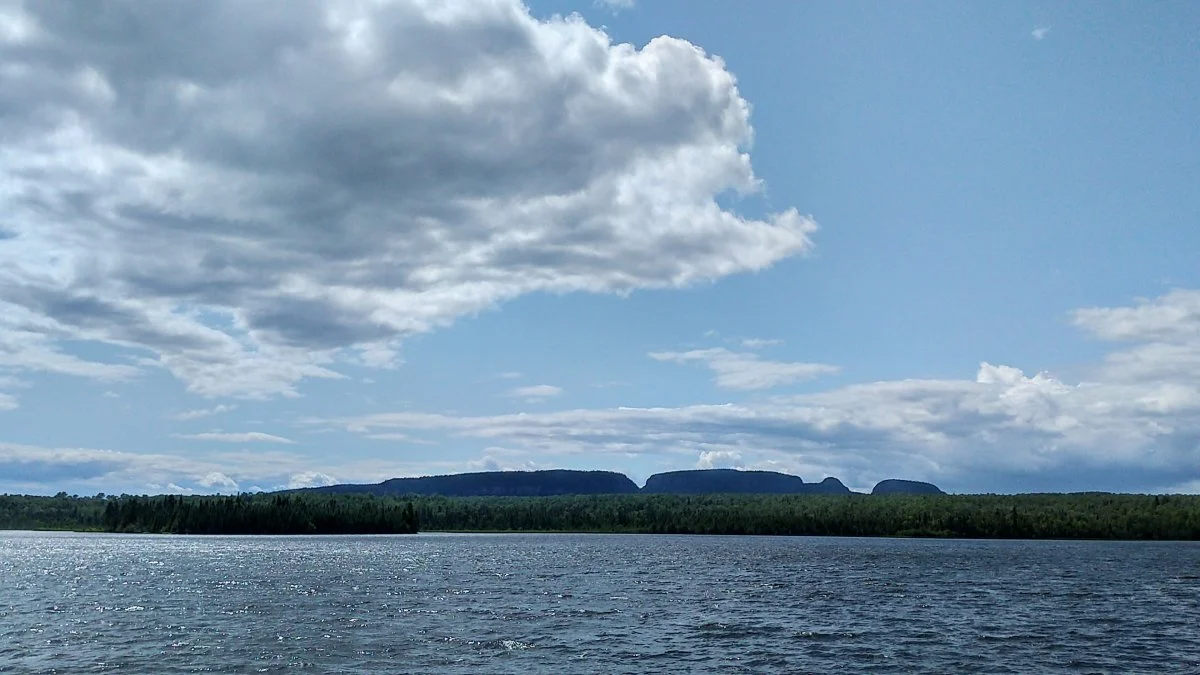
(674, 506)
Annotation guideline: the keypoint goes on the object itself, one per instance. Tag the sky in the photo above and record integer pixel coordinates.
(250, 246)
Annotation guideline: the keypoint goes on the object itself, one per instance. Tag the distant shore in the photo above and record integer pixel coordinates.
(1095, 516)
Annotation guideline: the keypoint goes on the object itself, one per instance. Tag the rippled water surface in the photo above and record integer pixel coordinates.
(593, 604)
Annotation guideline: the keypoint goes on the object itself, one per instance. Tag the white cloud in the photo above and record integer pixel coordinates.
(310, 479)
(401, 438)
(27, 344)
(1000, 429)
(9, 401)
(218, 482)
(204, 412)
(759, 343)
(16, 27)
(248, 198)
(36, 468)
(615, 5)
(379, 355)
(740, 370)
(41, 470)
(242, 437)
(1165, 354)
(1173, 318)
(536, 391)
(1040, 32)
(504, 459)
(719, 459)
(1189, 488)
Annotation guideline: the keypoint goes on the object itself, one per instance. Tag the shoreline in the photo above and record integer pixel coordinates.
(4, 531)
(1073, 517)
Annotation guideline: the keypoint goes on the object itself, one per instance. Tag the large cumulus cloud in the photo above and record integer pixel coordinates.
(246, 193)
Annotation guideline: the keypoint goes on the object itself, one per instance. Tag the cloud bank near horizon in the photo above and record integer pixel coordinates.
(1132, 424)
(1136, 414)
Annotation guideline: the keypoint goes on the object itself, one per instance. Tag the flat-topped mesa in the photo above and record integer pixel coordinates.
(555, 482)
(500, 484)
(734, 481)
(895, 486)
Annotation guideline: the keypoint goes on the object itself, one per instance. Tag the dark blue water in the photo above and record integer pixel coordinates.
(593, 604)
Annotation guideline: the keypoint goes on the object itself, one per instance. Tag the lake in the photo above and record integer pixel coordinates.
(515, 603)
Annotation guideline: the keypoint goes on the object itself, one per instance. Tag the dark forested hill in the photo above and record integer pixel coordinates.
(499, 484)
(894, 486)
(733, 481)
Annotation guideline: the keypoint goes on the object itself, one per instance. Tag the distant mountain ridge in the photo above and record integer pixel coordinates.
(573, 482)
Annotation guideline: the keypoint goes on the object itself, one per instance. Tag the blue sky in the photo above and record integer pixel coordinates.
(954, 242)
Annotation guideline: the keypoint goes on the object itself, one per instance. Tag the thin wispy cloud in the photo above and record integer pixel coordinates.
(1040, 32)
(201, 413)
(615, 5)
(759, 343)
(9, 401)
(747, 371)
(238, 437)
(400, 438)
(536, 392)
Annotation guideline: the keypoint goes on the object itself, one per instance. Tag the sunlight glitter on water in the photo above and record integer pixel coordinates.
(551, 603)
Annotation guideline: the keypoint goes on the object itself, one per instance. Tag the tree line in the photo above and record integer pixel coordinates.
(1038, 516)
(241, 514)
